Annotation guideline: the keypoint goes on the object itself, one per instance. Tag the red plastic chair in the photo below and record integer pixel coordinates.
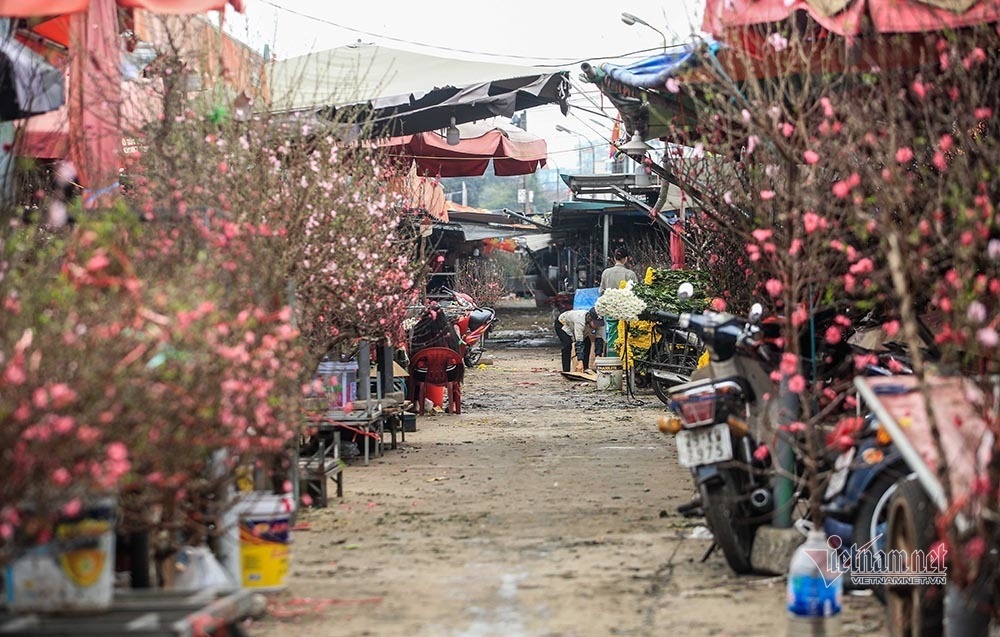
(440, 366)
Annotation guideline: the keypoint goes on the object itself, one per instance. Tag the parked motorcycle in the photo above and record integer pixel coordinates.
(472, 323)
(715, 427)
(865, 478)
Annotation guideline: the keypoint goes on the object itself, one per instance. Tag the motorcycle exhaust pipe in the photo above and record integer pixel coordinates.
(760, 498)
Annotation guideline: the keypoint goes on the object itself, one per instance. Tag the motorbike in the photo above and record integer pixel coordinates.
(864, 479)
(472, 324)
(867, 468)
(715, 427)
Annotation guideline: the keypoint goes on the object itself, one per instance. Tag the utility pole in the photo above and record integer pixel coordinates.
(521, 121)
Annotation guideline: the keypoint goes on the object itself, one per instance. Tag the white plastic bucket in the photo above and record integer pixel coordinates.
(609, 373)
(265, 539)
(74, 572)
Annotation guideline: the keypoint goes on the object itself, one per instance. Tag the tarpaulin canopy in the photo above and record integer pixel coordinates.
(853, 17)
(95, 76)
(359, 73)
(512, 150)
(438, 108)
(28, 84)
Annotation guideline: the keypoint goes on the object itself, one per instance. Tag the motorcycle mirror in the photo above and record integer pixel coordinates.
(756, 313)
(685, 291)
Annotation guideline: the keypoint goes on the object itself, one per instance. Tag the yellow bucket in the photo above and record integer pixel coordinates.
(265, 539)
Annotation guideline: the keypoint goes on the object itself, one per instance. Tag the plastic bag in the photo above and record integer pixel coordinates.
(198, 569)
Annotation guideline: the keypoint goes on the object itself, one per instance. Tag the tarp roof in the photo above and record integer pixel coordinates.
(845, 17)
(364, 72)
(511, 150)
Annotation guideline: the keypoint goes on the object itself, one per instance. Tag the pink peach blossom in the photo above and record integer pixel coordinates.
(98, 262)
(812, 222)
(72, 508)
(774, 287)
(797, 384)
(800, 315)
(833, 334)
(789, 364)
(987, 337)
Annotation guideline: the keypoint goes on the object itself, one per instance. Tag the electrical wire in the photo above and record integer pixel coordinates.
(562, 62)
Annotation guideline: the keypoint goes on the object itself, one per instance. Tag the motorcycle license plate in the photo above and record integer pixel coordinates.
(841, 469)
(704, 445)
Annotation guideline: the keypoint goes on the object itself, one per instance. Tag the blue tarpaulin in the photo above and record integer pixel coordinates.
(585, 298)
(653, 72)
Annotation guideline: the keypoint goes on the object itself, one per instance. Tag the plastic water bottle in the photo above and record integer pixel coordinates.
(815, 594)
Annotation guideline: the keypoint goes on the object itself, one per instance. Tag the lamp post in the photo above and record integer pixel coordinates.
(630, 19)
(637, 149)
(586, 144)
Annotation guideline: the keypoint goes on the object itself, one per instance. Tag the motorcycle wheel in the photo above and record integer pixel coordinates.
(912, 611)
(728, 515)
(661, 388)
(872, 518)
(474, 354)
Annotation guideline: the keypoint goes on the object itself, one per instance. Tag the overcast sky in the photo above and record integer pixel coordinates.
(556, 33)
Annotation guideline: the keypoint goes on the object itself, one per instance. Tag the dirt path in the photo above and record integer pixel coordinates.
(544, 509)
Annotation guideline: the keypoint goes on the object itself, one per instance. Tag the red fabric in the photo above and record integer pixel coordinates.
(677, 246)
(471, 156)
(44, 136)
(95, 94)
(887, 16)
(36, 8)
(181, 6)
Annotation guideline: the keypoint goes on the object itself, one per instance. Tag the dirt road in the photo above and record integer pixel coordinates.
(546, 508)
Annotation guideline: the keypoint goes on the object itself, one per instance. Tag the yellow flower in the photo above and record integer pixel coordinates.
(648, 279)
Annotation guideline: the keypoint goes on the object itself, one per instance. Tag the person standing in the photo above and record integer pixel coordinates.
(611, 279)
(576, 330)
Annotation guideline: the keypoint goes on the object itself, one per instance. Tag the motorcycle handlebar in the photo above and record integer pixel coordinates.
(667, 318)
(721, 332)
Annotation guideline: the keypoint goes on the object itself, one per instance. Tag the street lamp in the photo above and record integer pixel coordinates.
(637, 149)
(587, 144)
(630, 19)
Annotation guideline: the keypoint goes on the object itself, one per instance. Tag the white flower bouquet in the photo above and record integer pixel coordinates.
(621, 304)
